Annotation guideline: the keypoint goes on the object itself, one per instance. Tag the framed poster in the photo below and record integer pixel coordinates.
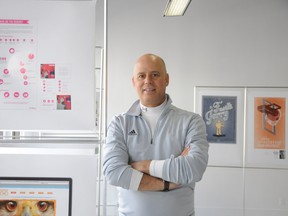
(222, 109)
(267, 127)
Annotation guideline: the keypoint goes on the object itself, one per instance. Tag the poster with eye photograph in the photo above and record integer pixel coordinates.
(222, 109)
(27, 207)
(267, 127)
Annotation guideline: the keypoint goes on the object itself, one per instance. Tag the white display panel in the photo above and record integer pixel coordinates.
(220, 192)
(227, 106)
(47, 79)
(267, 141)
(26, 195)
(82, 169)
(266, 193)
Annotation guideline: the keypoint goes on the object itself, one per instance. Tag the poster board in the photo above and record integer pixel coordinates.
(49, 195)
(59, 166)
(267, 127)
(47, 78)
(222, 109)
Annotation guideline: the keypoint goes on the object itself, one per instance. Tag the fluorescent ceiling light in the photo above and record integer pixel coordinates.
(176, 7)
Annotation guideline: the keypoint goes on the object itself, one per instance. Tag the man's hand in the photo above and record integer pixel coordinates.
(185, 151)
(142, 166)
(150, 183)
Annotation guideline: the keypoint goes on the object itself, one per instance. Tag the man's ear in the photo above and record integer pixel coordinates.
(167, 79)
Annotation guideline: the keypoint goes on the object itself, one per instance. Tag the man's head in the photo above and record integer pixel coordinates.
(150, 80)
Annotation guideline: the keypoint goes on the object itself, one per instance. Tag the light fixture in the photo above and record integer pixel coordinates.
(176, 7)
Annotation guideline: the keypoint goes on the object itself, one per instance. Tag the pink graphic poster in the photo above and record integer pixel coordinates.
(18, 52)
(24, 82)
(43, 72)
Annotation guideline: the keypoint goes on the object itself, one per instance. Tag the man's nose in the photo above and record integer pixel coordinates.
(148, 79)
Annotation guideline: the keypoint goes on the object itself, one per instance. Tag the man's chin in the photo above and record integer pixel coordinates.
(150, 101)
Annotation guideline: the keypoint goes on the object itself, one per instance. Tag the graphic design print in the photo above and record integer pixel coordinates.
(219, 113)
(23, 83)
(18, 52)
(27, 207)
(269, 126)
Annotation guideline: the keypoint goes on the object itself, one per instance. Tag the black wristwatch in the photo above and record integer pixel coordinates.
(166, 185)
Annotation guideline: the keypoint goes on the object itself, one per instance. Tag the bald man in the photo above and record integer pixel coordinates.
(155, 152)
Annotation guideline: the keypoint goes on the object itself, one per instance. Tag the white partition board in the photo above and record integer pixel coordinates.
(110, 193)
(47, 65)
(223, 153)
(220, 192)
(266, 192)
(81, 168)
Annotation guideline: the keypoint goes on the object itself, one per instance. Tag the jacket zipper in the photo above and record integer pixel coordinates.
(147, 126)
(149, 129)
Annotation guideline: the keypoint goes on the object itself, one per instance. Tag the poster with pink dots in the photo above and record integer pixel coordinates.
(18, 51)
(47, 77)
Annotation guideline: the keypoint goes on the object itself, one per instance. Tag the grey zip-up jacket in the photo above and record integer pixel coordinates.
(129, 139)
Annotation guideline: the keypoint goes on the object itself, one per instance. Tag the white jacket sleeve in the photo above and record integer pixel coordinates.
(190, 168)
(116, 169)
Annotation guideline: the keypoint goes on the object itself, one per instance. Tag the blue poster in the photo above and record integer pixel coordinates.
(219, 114)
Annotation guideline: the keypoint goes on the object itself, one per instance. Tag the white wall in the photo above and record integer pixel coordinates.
(216, 43)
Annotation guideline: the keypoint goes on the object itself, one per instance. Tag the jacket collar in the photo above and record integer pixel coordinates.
(135, 109)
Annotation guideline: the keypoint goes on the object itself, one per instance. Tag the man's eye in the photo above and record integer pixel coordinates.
(140, 76)
(156, 74)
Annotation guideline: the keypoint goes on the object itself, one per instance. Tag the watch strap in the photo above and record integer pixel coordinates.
(166, 185)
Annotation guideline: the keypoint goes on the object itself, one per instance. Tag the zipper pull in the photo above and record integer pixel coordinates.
(151, 141)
